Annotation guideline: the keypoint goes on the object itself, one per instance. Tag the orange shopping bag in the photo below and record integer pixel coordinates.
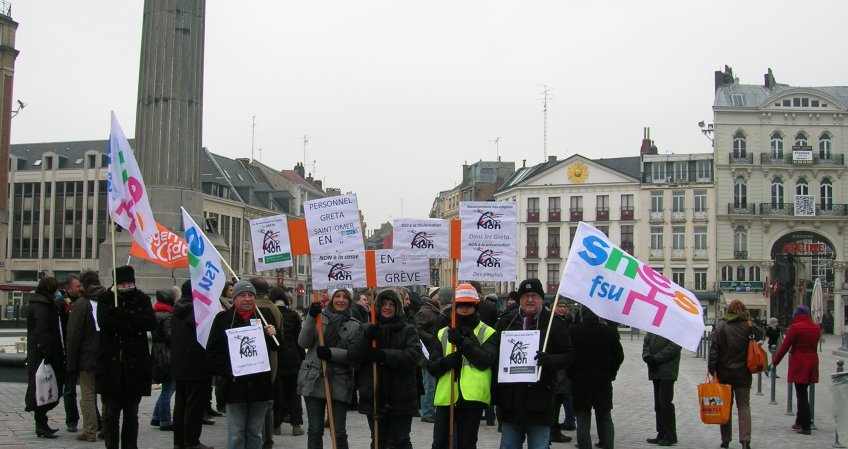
(714, 401)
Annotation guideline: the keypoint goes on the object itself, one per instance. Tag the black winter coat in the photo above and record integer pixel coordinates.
(188, 357)
(289, 354)
(83, 339)
(123, 362)
(249, 388)
(533, 403)
(597, 357)
(44, 343)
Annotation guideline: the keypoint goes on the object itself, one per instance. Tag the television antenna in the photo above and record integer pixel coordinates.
(496, 140)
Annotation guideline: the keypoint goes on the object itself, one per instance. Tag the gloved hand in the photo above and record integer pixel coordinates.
(455, 336)
(452, 361)
(315, 309)
(372, 331)
(543, 359)
(324, 352)
(376, 355)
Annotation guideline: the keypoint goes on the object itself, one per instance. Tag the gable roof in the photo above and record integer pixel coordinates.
(628, 166)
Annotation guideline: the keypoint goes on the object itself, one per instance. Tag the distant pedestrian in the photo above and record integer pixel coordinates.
(772, 332)
(163, 310)
(801, 342)
(728, 360)
(663, 359)
(71, 292)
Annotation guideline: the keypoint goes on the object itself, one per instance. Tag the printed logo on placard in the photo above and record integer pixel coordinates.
(488, 220)
(339, 272)
(489, 258)
(421, 240)
(247, 346)
(270, 240)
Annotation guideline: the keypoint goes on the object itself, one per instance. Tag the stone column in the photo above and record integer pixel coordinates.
(838, 305)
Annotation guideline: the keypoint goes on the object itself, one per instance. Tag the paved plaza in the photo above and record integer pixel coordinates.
(633, 415)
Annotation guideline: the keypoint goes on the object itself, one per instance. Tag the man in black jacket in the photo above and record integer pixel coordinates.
(190, 370)
(527, 408)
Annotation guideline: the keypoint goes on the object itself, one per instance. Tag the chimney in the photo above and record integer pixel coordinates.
(647, 146)
(724, 78)
(551, 158)
(523, 163)
(300, 170)
(318, 184)
(769, 82)
(308, 178)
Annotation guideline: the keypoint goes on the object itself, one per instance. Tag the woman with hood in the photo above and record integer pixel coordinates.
(801, 342)
(729, 361)
(340, 330)
(44, 344)
(397, 352)
(163, 309)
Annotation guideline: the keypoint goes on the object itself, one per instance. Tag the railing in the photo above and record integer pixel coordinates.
(832, 210)
(554, 215)
(741, 209)
(834, 159)
(687, 178)
(678, 215)
(656, 215)
(533, 252)
(786, 159)
(678, 253)
(700, 254)
(700, 215)
(657, 253)
(576, 215)
(777, 209)
(553, 252)
(532, 215)
(740, 255)
(741, 158)
(775, 159)
(602, 214)
(627, 213)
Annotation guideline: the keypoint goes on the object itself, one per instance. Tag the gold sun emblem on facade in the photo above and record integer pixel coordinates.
(578, 173)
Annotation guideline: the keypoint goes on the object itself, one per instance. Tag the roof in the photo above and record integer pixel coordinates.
(295, 177)
(73, 151)
(755, 95)
(629, 166)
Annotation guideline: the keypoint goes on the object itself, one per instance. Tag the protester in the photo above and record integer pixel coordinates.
(287, 403)
(426, 323)
(398, 356)
(226, 304)
(339, 329)
(70, 294)
(511, 303)
(772, 332)
(361, 310)
(527, 408)
(83, 343)
(44, 344)
(123, 366)
(597, 357)
(663, 359)
(801, 342)
(247, 396)
(161, 358)
(264, 302)
(469, 350)
(728, 360)
(190, 372)
(562, 386)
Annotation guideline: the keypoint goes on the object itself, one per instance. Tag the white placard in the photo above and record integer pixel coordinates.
(333, 225)
(345, 270)
(489, 244)
(422, 237)
(399, 270)
(248, 353)
(517, 362)
(271, 244)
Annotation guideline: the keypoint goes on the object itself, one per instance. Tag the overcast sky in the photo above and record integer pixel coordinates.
(396, 95)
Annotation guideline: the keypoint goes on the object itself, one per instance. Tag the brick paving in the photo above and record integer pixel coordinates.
(633, 415)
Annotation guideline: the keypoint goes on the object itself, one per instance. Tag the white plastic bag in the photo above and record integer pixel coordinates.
(46, 387)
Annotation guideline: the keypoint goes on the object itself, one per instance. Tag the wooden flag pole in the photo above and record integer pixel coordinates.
(262, 317)
(375, 373)
(547, 332)
(328, 394)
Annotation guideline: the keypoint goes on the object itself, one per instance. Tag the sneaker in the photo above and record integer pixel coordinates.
(297, 429)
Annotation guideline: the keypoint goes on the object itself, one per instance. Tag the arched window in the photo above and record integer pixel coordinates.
(740, 273)
(776, 146)
(800, 139)
(826, 192)
(740, 193)
(777, 197)
(739, 145)
(824, 146)
(727, 273)
(801, 187)
(740, 246)
(754, 274)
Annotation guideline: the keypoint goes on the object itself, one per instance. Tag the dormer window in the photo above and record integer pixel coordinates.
(737, 100)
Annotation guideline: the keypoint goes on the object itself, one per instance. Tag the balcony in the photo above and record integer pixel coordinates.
(532, 252)
(741, 209)
(532, 215)
(602, 214)
(775, 159)
(833, 159)
(656, 215)
(553, 288)
(553, 252)
(831, 210)
(780, 209)
(700, 215)
(576, 215)
(700, 253)
(741, 158)
(678, 215)
(678, 254)
(627, 213)
(554, 215)
(740, 255)
(657, 253)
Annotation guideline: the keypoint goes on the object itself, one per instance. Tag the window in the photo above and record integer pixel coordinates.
(740, 193)
(700, 280)
(572, 231)
(577, 204)
(532, 204)
(801, 139)
(826, 194)
(553, 204)
(678, 276)
(776, 146)
(532, 238)
(657, 201)
(704, 170)
(553, 238)
(737, 99)
(532, 271)
(658, 173)
(701, 239)
(700, 202)
(754, 274)
(678, 238)
(602, 202)
(681, 171)
(678, 201)
(727, 273)
(657, 237)
(739, 151)
(627, 238)
(824, 146)
(554, 274)
(801, 187)
(740, 244)
(604, 229)
(777, 197)
(740, 273)
(627, 202)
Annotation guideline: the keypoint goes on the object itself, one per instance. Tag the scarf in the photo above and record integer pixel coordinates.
(245, 316)
(332, 325)
(389, 327)
(162, 307)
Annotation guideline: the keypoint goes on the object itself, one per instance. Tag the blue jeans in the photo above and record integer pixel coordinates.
(512, 436)
(162, 409)
(568, 406)
(244, 424)
(315, 409)
(428, 410)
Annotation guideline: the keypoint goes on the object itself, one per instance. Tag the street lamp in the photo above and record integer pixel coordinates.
(707, 129)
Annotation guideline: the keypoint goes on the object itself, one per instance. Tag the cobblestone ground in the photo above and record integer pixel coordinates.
(633, 415)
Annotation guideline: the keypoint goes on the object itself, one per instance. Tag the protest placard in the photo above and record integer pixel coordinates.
(489, 244)
(248, 352)
(270, 239)
(343, 270)
(394, 269)
(422, 237)
(333, 225)
(517, 361)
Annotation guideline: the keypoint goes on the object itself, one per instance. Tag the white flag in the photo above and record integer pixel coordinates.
(207, 277)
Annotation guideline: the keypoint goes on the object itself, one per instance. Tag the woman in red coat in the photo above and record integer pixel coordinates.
(801, 342)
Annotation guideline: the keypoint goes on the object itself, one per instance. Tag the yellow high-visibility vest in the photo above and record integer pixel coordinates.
(475, 383)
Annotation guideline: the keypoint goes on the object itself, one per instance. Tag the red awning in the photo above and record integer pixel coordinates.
(16, 287)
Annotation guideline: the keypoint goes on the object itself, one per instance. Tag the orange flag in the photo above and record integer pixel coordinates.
(170, 250)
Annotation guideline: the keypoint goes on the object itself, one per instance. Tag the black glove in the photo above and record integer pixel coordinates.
(452, 361)
(323, 352)
(315, 309)
(455, 336)
(376, 355)
(543, 359)
(372, 331)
